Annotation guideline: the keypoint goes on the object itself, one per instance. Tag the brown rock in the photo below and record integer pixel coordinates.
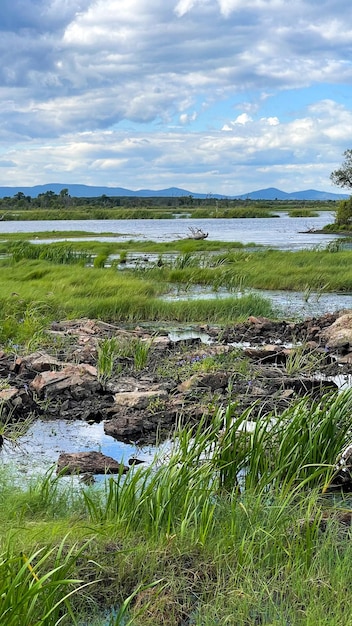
(215, 380)
(339, 334)
(138, 399)
(88, 462)
(73, 378)
(41, 362)
(6, 395)
(127, 427)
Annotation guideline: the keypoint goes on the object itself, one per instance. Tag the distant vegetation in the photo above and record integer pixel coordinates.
(53, 206)
(342, 177)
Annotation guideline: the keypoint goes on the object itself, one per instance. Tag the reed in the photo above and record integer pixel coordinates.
(108, 352)
(36, 588)
(224, 526)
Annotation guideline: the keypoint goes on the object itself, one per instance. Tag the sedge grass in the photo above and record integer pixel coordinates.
(36, 588)
(35, 292)
(223, 529)
(324, 269)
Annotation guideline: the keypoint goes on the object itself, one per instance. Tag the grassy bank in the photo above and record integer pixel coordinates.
(44, 282)
(227, 530)
(187, 262)
(33, 293)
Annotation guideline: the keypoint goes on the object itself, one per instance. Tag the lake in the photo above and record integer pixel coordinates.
(283, 232)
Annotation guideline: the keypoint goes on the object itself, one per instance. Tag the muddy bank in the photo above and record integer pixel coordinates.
(261, 363)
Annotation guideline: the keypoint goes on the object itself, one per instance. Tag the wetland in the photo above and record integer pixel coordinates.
(107, 347)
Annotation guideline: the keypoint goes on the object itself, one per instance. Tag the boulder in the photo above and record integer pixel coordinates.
(130, 427)
(338, 336)
(88, 462)
(137, 399)
(78, 380)
(35, 362)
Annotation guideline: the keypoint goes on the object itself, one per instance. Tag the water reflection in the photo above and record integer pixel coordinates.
(38, 451)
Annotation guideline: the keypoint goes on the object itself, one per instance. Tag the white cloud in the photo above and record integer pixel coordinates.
(244, 118)
(254, 155)
(199, 84)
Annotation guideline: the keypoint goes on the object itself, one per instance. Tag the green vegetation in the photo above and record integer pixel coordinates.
(52, 206)
(303, 213)
(44, 282)
(112, 350)
(47, 292)
(343, 178)
(230, 527)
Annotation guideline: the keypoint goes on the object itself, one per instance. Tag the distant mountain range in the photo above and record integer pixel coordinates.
(86, 191)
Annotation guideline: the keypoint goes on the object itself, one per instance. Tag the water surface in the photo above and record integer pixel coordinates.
(283, 232)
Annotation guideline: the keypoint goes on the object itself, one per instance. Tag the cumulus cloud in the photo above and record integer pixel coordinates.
(195, 83)
(287, 152)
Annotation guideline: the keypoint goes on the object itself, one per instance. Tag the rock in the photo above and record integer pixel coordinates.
(342, 478)
(267, 353)
(345, 360)
(88, 463)
(6, 395)
(79, 380)
(213, 381)
(313, 386)
(39, 362)
(137, 399)
(161, 343)
(338, 336)
(188, 384)
(126, 427)
(261, 323)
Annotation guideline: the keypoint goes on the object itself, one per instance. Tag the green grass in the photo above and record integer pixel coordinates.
(224, 529)
(217, 264)
(33, 292)
(40, 283)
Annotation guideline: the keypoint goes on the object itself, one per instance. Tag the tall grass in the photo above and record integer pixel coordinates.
(32, 295)
(227, 521)
(36, 588)
(284, 453)
(59, 253)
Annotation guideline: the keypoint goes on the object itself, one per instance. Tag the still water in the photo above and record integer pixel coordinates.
(39, 449)
(283, 232)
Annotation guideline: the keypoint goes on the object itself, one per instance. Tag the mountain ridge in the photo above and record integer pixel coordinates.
(93, 191)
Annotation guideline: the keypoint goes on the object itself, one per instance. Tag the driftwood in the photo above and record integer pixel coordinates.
(197, 233)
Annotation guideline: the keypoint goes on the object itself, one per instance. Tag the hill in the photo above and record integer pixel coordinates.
(87, 191)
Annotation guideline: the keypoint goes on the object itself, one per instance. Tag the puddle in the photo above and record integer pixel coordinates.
(343, 381)
(185, 334)
(39, 449)
(140, 260)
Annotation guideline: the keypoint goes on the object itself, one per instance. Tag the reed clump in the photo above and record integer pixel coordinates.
(224, 526)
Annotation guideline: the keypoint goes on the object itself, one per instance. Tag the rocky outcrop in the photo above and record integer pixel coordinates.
(252, 364)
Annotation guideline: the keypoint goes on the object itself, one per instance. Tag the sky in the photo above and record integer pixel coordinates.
(213, 96)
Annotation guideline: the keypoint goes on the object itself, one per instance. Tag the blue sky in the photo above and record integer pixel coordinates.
(215, 96)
